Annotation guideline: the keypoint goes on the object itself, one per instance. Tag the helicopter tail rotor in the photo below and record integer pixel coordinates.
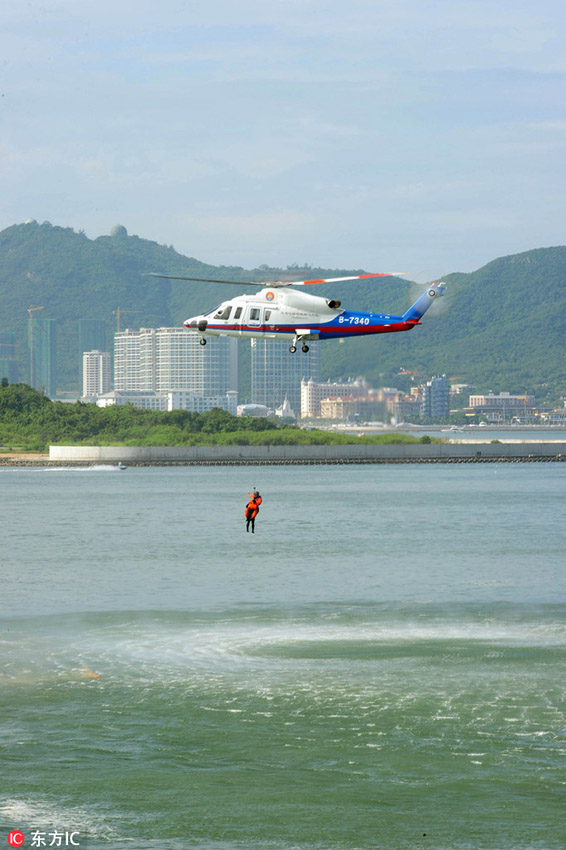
(417, 310)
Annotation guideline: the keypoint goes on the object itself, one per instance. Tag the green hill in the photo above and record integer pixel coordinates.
(502, 327)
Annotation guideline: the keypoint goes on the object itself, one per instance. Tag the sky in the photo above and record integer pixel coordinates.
(412, 136)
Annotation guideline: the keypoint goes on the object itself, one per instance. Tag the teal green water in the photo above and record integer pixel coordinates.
(380, 666)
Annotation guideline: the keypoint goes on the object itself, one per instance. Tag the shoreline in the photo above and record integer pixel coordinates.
(448, 452)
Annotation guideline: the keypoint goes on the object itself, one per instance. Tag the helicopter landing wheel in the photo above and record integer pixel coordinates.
(305, 347)
(292, 348)
(202, 341)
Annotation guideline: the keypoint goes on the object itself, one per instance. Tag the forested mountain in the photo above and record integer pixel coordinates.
(501, 327)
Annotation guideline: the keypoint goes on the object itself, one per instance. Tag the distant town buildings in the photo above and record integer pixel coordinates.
(314, 392)
(554, 417)
(354, 401)
(276, 374)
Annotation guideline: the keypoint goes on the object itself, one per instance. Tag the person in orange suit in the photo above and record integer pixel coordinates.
(252, 509)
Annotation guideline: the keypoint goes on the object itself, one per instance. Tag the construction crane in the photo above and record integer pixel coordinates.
(31, 311)
(118, 312)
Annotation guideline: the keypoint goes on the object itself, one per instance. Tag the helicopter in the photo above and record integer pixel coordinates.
(279, 311)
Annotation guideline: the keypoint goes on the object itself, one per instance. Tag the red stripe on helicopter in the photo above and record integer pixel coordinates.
(322, 328)
(342, 330)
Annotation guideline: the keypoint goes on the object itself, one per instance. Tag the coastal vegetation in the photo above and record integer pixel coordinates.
(30, 421)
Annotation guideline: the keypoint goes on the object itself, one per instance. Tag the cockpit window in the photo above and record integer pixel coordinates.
(223, 313)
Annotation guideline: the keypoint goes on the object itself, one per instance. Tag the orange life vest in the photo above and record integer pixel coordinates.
(257, 500)
(251, 509)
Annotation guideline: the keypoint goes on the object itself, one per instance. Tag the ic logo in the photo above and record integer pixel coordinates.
(16, 838)
(269, 296)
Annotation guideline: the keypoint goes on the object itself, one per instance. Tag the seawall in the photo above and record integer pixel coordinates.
(402, 453)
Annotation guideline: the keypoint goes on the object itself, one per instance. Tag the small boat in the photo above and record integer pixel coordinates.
(122, 466)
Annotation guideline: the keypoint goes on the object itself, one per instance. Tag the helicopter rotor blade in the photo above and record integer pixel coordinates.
(205, 279)
(274, 283)
(336, 279)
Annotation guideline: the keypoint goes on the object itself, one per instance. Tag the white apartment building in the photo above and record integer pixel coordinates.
(137, 398)
(503, 407)
(176, 400)
(503, 400)
(180, 400)
(97, 373)
(166, 360)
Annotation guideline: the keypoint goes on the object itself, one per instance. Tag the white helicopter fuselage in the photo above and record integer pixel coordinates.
(286, 313)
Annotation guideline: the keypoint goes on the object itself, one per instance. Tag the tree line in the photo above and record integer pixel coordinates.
(31, 421)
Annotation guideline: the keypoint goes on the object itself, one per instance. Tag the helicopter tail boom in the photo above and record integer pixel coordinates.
(421, 305)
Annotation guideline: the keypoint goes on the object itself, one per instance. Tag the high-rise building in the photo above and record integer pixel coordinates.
(168, 359)
(435, 403)
(127, 366)
(43, 353)
(92, 337)
(8, 357)
(97, 373)
(277, 374)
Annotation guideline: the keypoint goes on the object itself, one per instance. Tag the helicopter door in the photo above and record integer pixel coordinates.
(254, 317)
(268, 325)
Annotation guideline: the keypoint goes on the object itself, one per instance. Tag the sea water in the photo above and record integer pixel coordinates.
(381, 665)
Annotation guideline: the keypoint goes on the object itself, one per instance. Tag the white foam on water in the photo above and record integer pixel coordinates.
(45, 815)
(159, 649)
